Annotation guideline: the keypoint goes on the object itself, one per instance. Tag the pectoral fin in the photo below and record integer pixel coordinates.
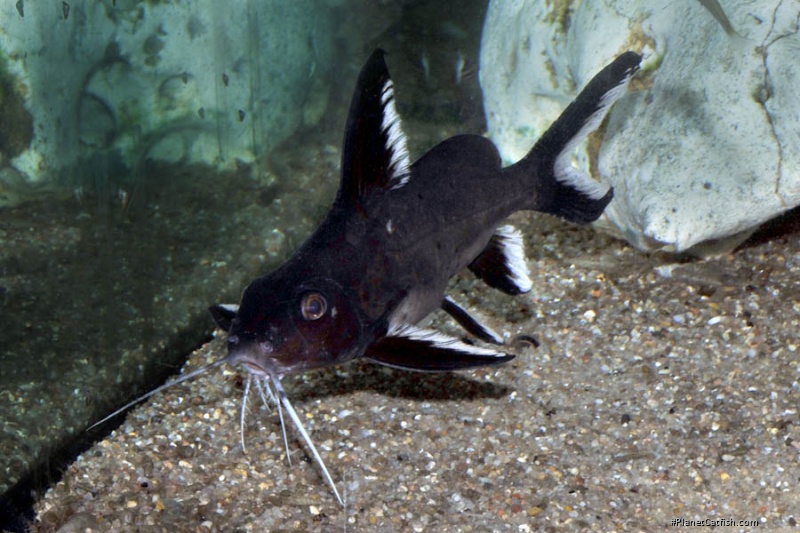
(223, 314)
(412, 348)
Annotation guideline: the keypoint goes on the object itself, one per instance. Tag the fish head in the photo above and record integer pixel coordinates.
(282, 327)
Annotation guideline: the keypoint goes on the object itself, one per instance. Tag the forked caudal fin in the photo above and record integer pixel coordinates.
(562, 189)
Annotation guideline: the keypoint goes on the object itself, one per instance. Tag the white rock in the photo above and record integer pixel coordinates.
(704, 147)
(196, 80)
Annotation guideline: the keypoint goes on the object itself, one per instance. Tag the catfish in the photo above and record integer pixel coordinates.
(397, 231)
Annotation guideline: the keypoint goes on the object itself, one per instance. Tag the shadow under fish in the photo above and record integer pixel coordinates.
(397, 232)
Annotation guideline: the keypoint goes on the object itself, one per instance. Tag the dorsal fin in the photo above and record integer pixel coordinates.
(375, 153)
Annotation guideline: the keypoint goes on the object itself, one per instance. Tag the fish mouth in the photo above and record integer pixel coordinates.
(255, 369)
(255, 356)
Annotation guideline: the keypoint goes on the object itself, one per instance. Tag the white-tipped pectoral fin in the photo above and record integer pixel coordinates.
(412, 348)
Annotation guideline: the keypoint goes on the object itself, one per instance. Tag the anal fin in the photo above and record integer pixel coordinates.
(502, 264)
(412, 348)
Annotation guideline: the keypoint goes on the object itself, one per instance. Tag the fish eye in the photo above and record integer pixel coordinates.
(313, 306)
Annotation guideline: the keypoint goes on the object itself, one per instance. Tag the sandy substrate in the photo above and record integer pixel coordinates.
(660, 391)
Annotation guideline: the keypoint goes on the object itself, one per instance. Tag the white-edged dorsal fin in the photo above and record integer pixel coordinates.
(375, 153)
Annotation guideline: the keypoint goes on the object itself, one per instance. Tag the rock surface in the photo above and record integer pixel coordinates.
(702, 148)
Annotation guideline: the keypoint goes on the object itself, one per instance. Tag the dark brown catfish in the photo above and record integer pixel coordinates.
(398, 231)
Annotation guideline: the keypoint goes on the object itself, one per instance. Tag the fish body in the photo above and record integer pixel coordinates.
(397, 232)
